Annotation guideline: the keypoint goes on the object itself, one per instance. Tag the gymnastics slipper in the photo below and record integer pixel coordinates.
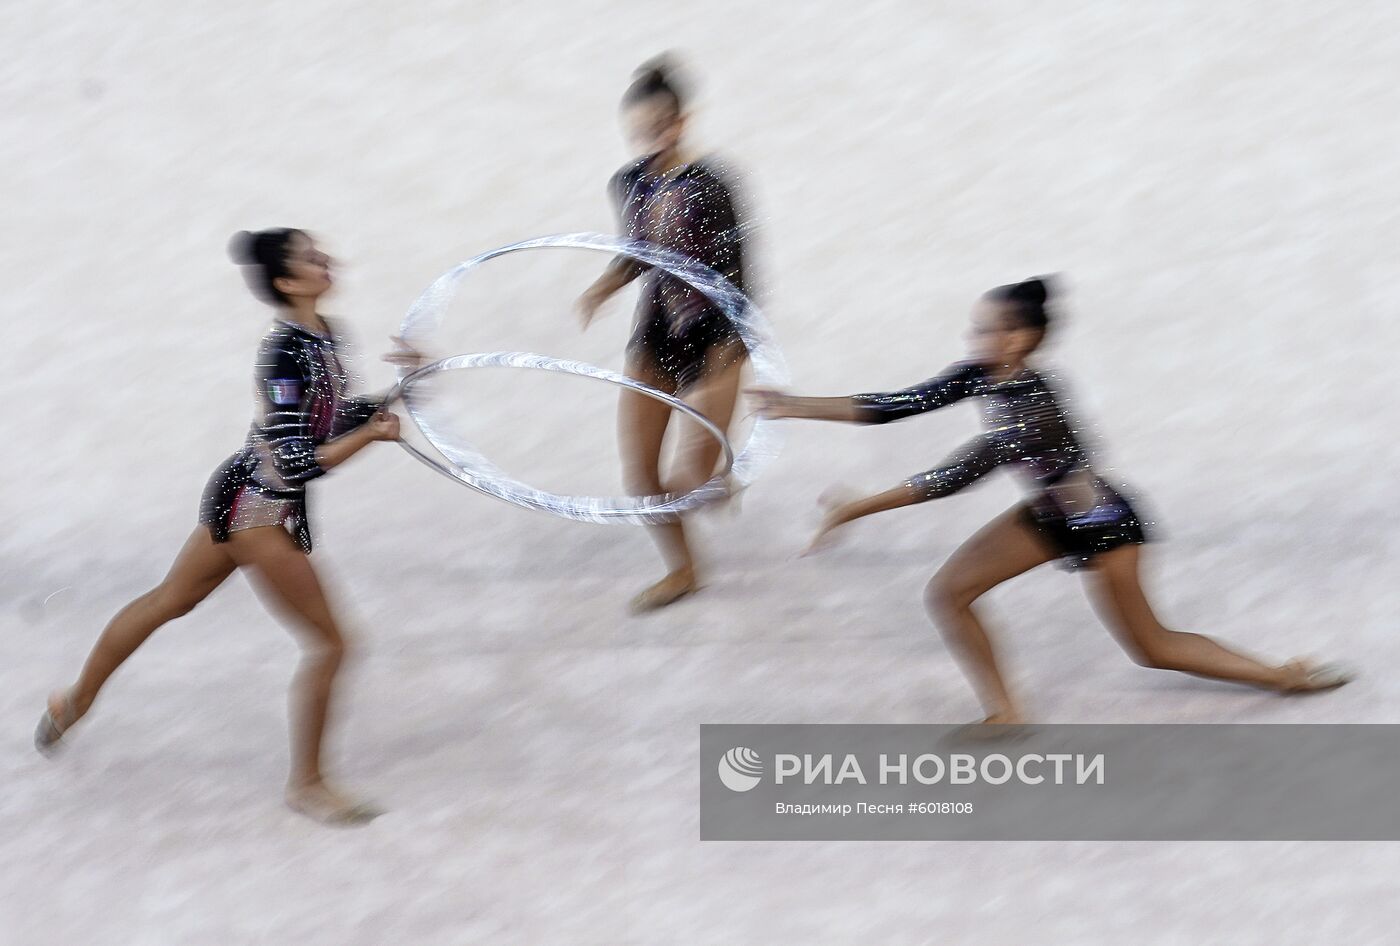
(48, 735)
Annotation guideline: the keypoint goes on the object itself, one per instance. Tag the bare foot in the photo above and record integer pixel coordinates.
(1304, 676)
(668, 590)
(320, 802)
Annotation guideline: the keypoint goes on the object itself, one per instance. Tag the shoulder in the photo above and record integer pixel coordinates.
(968, 372)
(280, 337)
(282, 346)
(717, 168)
(714, 175)
(1044, 379)
(626, 177)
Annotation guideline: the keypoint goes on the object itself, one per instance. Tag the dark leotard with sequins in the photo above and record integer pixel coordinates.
(691, 212)
(300, 402)
(1026, 426)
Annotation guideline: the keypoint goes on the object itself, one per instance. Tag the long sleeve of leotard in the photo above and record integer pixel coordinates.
(626, 268)
(963, 467)
(284, 410)
(355, 412)
(952, 385)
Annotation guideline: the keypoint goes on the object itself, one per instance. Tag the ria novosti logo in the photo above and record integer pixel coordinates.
(740, 769)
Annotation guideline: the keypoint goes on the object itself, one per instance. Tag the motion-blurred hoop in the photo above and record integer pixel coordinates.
(469, 467)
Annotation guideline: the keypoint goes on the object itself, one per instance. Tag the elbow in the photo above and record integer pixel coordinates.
(301, 472)
(295, 461)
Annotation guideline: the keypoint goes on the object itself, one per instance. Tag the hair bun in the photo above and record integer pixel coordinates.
(242, 248)
(661, 73)
(659, 68)
(1037, 290)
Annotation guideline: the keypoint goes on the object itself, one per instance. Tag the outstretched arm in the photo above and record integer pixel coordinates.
(968, 464)
(952, 385)
(840, 513)
(775, 404)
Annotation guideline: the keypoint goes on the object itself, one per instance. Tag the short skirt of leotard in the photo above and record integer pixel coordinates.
(233, 500)
(1076, 540)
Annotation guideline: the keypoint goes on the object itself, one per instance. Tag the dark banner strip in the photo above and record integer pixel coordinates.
(1067, 782)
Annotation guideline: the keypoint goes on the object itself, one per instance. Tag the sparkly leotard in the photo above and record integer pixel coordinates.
(300, 402)
(1072, 507)
(691, 212)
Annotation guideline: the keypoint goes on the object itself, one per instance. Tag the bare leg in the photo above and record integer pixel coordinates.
(642, 425)
(199, 568)
(641, 431)
(288, 583)
(714, 397)
(1001, 550)
(1116, 591)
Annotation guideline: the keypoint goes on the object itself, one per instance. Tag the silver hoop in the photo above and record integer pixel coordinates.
(467, 466)
(471, 468)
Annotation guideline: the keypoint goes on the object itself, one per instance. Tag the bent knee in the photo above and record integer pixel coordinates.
(1144, 657)
(1153, 652)
(946, 593)
(326, 652)
(175, 602)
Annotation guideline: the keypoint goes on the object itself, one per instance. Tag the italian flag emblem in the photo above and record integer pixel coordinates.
(284, 392)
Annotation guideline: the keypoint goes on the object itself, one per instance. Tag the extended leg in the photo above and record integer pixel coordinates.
(1001, 550)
